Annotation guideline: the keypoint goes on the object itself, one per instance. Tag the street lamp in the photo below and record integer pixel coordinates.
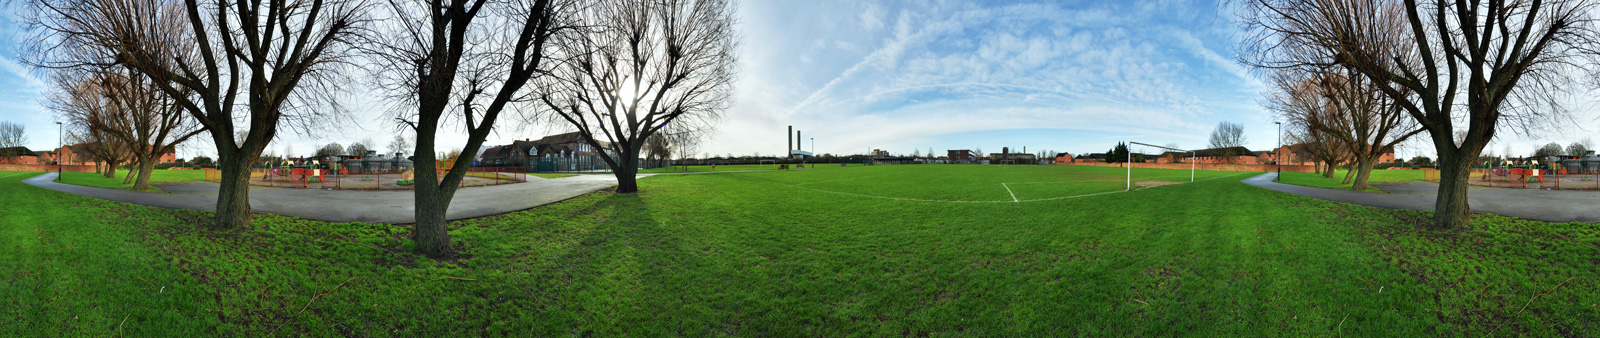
(1279, 158)
(61, 141)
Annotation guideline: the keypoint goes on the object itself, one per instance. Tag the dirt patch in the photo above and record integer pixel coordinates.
(1153, 183)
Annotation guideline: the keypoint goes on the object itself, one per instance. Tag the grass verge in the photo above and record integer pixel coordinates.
(1337, 181)
(157, 176)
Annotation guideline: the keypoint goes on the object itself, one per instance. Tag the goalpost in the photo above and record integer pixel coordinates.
(1190, 159)
(765, 162)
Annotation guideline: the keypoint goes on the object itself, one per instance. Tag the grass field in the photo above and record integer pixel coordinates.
(552, 176)
(1378, 176)
(705, 168)
(868, 251)
(158, 176)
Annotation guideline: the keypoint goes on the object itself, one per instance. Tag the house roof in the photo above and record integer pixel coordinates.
(1228, 151)
(19, 151)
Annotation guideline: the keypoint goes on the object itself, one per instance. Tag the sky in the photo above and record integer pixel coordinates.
(909, 76)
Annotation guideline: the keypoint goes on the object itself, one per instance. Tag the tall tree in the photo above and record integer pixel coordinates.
(357, 149)
(251, 56)
(1548, 150)
(1225, 138)
(1577, 149)
(135, 113)
(1487, 63)
(330, 150)
(639, 66)
(12, 135)
(1340, 104)
(466, 60)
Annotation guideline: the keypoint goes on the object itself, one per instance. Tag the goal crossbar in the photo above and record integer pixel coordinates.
(1190, 159)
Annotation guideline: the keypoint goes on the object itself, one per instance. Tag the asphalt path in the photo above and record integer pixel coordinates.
(1530, 203)
(387, 206)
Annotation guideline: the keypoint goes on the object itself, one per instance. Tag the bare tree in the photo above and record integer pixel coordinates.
(1548, 150)
(1491, 64)
(400, 145)
(12, 136)
(1341, 104)
(222, 56)
(135, 113)
(357, 149)
(330, 150)
(1577, 149)
(1226, 137)
(466, 60)
(639, 67)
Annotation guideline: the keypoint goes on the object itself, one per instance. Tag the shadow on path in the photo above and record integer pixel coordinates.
(1535, 204)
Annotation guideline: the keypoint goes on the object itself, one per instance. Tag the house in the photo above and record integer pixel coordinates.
(79, 154)
(1091, 157)
(570, 148)
(962, 156)
(1300, 154)
(1064, 158)
(18, 155)
(1229, 155)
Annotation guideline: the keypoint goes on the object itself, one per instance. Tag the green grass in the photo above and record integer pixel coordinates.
(553, 175)
(157, 176)
(811, 253)
(1335, 182)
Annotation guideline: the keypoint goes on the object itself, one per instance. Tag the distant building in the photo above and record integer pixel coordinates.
(569, 148)
(879, 153)
(1229, 155)
(18, 155)
(1300, 154)
(1015, 158)
(962, 156)
(1064, 158)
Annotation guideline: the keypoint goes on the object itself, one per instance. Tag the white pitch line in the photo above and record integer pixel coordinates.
(1008, 191)
(976, 202)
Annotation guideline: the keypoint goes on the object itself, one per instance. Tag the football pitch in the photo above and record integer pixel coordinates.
(978, 183)
(914, 250)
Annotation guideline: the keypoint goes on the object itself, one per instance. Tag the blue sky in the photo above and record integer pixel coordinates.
(1074, 76)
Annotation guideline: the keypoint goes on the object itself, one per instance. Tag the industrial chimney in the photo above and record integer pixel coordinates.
(790, 136)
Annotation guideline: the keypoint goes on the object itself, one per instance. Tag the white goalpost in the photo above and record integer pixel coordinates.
(765, 162)
(1189, 159)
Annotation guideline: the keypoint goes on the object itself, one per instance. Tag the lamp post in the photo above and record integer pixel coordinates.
(1279, 158)
(61, 142)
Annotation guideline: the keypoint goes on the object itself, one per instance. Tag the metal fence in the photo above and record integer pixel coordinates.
(1567, 178)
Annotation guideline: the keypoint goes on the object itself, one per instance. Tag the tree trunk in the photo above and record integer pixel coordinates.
(1327, 169)
(135, 167)
(1348, 175)
(627, 172)
(1451, 210)
(111, 170)
(146, 167)
(432, 232)
(233, 194)
(1363, 171)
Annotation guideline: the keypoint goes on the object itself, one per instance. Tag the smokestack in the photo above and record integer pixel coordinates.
(799, 140)
(791, 142)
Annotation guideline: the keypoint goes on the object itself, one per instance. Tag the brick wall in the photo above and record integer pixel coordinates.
(47, 167)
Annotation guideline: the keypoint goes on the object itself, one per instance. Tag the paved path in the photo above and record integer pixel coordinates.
(390, 206)
(1532, 203)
